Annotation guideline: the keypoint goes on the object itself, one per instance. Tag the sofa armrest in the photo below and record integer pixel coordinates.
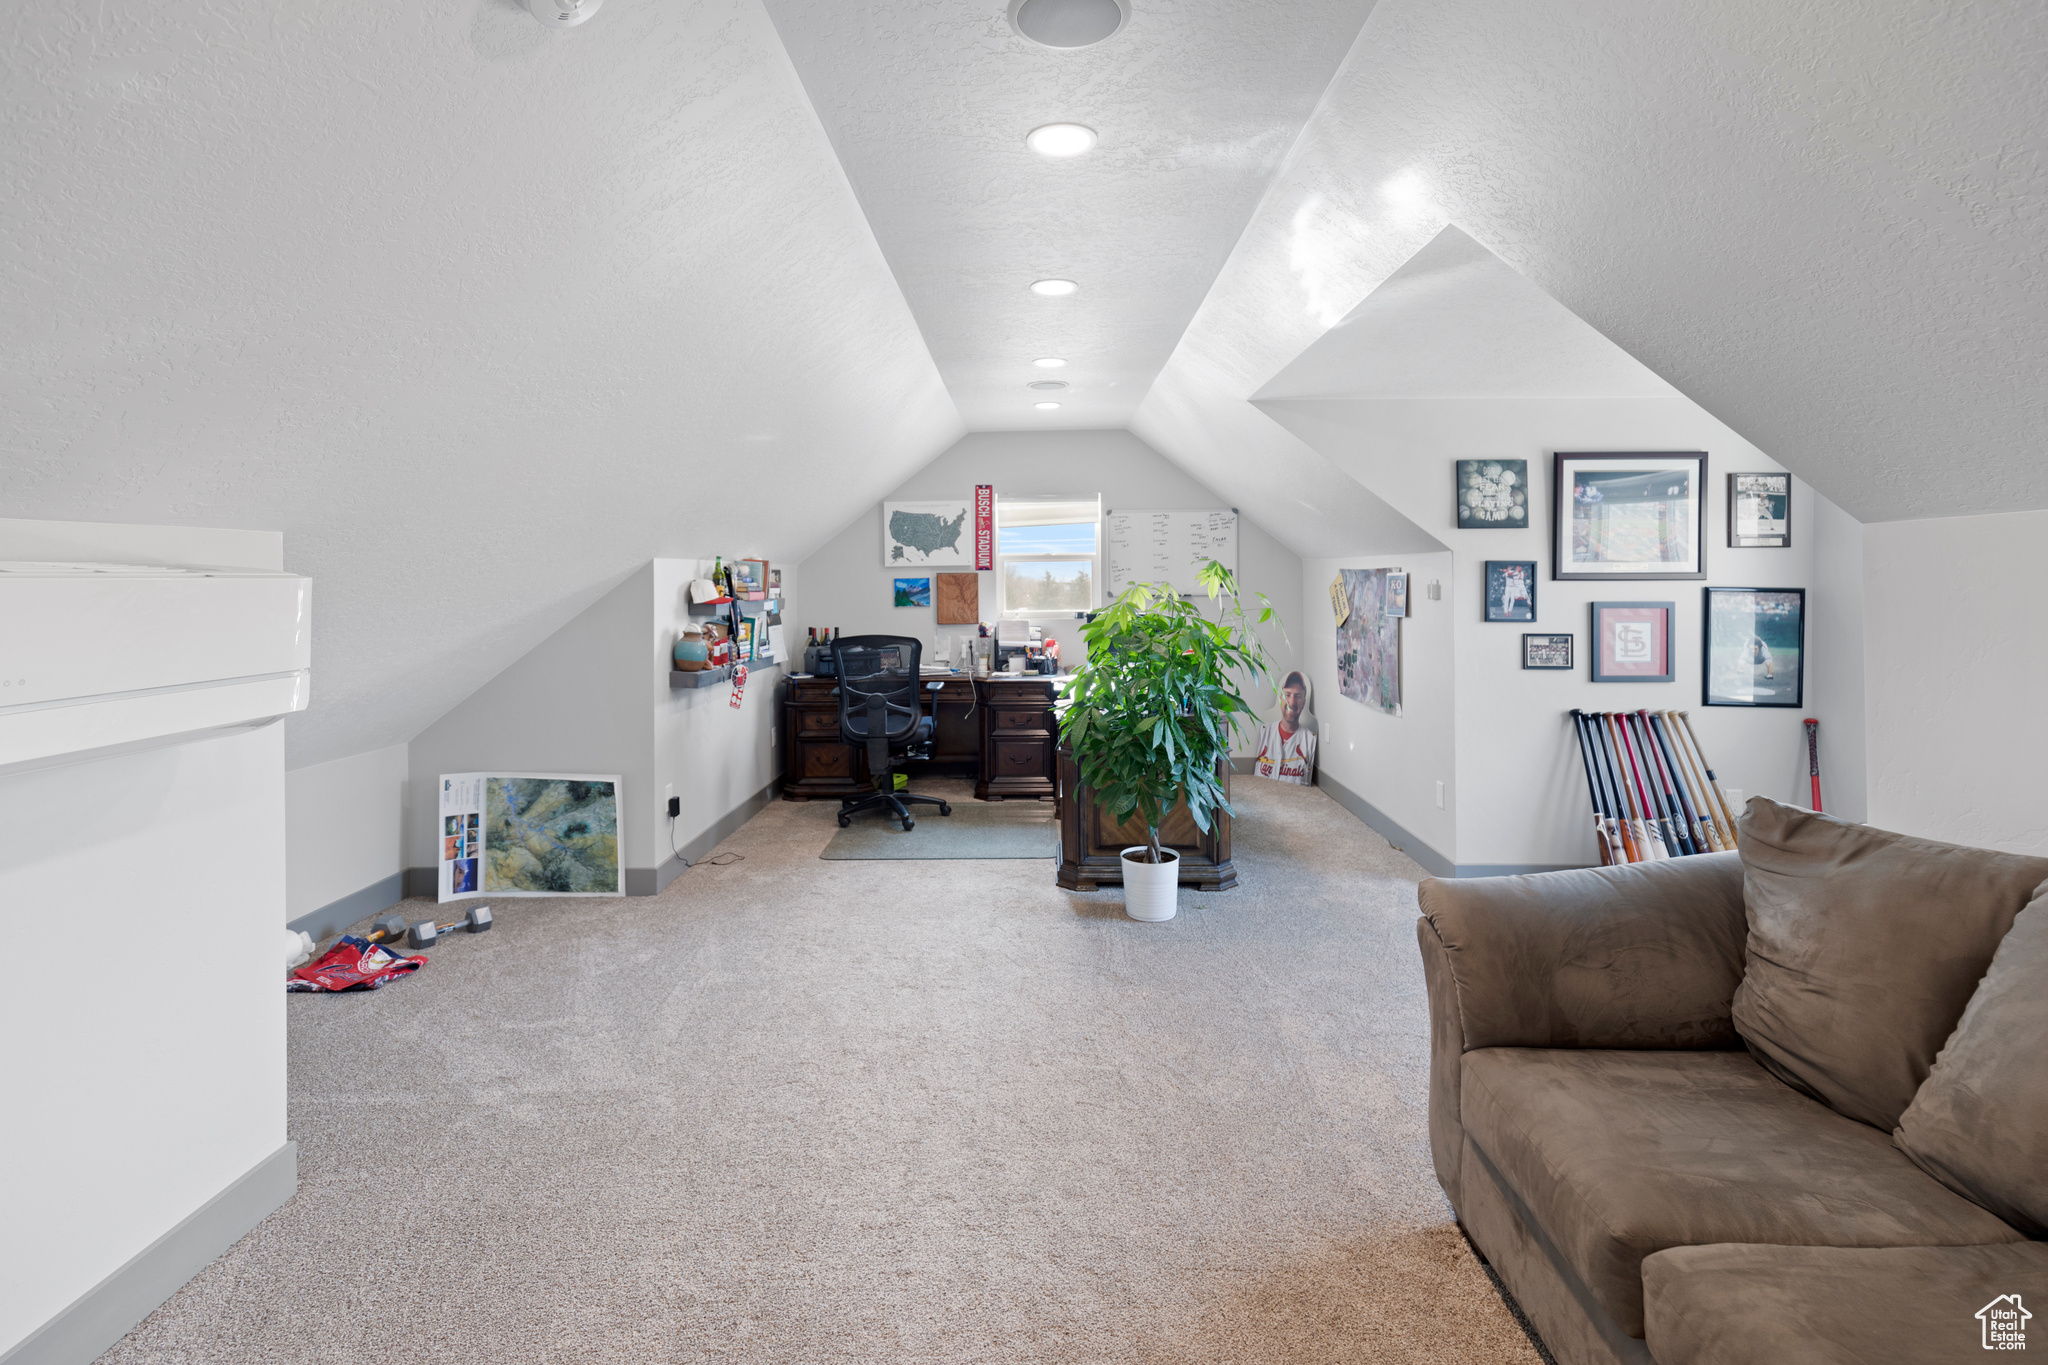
(1446, 1051)
(1643, 955)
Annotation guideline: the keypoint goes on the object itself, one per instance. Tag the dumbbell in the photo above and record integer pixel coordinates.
(387, 929)
(476, 920)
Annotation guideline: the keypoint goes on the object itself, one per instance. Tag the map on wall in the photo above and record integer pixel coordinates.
(529, 834)
(1369, 642)
(928, 533)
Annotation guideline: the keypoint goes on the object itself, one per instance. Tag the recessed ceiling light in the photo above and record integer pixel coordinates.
(1045, 407)
(1060, 140)
(1051, 362)
(1047, 384)
(1054, 289)
(1068, 23)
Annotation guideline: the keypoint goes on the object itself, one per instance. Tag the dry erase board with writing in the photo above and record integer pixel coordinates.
(1167, 547)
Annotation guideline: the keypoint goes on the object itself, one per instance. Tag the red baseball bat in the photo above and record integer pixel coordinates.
(1813, 757)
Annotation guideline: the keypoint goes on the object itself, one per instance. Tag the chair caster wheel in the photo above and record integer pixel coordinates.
(945, 809)
(844, 821)
(909, 825)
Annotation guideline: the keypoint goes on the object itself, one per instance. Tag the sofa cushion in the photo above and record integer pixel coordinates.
(1769, 1305)
(1618, 1154)
(1980, 1123)
(1863, 949)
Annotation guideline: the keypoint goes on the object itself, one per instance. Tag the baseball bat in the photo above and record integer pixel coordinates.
(1679, 833)
(1607, 853)
(1605, 762)
(1813, 758)
(1720, 797)
(1704, 834)
(1648, 836)
(1694, 826)
(1702, 798)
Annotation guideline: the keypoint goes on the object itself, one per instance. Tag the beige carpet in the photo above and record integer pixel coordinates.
(795, 1110)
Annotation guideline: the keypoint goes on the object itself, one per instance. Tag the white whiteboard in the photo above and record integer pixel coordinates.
(1167, 547)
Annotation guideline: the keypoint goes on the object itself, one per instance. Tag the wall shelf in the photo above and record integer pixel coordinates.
(680, 681)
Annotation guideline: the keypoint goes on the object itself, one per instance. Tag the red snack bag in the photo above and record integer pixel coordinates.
(353, 964)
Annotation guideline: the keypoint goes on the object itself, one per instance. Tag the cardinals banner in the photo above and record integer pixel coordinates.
(984, 526)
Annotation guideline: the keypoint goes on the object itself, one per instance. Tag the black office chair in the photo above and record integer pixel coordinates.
(881, 707)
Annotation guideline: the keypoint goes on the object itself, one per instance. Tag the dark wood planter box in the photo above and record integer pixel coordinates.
(1091, 843)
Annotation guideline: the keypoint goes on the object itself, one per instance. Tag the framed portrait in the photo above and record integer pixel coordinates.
(1755, 650)
(1397, 594)
(1493, 495)
(1632, 641)
(1759, 511)
(1547, 651)
(1629, 516)
(913, 592)
(1510, 589)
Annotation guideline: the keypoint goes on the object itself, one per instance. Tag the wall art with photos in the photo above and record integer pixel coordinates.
(1632, 642)
(1493, 495)
(1755, 649)
(1759, 511)
(1510, 589)
(1547, 651)
(1629, 516)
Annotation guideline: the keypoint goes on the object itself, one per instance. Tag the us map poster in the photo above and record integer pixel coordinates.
(529, 834)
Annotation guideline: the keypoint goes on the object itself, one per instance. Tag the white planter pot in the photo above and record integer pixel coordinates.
(1151, 890)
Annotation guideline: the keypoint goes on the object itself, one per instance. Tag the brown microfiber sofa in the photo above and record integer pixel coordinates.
(1773, 1106)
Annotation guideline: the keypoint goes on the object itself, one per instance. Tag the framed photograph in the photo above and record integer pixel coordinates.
(1493, 495)
(1759, 511)
(1547, 651)
(913, 592)
(1629, 516)
(1755, 653)
(1632, 641)
(1510, 589)
(1397, 594)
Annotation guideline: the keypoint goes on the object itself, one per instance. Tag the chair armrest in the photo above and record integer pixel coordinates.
(1643, 955)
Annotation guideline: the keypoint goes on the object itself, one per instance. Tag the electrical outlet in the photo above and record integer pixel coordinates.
(675, 808)
(1436, 594)
(1439, 796)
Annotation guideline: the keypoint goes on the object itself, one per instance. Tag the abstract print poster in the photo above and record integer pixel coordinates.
(1369, 642)
(529, 834)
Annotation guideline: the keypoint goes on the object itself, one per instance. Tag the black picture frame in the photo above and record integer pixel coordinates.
(1731, 627)
(1493, 495)
(1547, 647)
(1607, 666)
(1742, 488)
(1627, 495)
(1501, 580)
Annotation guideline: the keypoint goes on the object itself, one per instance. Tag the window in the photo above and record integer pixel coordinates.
(1048, 555)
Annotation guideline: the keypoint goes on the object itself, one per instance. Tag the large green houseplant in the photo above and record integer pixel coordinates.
(1152, 712)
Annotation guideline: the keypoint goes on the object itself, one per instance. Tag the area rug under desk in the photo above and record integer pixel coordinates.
(975, 829)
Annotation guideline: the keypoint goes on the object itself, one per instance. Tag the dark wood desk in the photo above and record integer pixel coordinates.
(1004, 727)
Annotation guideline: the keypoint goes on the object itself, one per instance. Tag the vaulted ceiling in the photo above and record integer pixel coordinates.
(481, 314)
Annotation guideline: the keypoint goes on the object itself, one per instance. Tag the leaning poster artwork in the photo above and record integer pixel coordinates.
(1369, 642)
(529, 834)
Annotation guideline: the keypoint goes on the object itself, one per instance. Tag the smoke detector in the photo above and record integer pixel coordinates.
(1068, 23)
(563, 13)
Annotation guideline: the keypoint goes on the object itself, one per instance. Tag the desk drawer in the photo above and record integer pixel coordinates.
(998, 693)
(1010, 719)
(814, 722)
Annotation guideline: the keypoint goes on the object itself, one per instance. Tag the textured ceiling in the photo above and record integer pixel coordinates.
(480, 314)
(1823, 222)
(928, 102)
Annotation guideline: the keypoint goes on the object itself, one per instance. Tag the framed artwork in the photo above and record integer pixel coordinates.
(1397, 594)
(1510, 589)
(1629, 516)
(959, 598)
(1493, 495)
(1632, 642)
(1759, 511)
(1547, 651)
(913, 592)
(918, 535)
(1755, 651)
(1369, 642)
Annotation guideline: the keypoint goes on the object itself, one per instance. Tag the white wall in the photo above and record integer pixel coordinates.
(848, 586)
(145, 1065)
(1835, 688)
(718, 758)
(1520, 791)
(576, 702)
(1956, 650)
(344, 827)
(1392, 762)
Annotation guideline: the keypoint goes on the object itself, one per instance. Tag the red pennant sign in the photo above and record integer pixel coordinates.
(739, 684)
(984, 526)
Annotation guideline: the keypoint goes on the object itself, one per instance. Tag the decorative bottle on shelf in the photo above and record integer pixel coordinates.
(692, 654)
